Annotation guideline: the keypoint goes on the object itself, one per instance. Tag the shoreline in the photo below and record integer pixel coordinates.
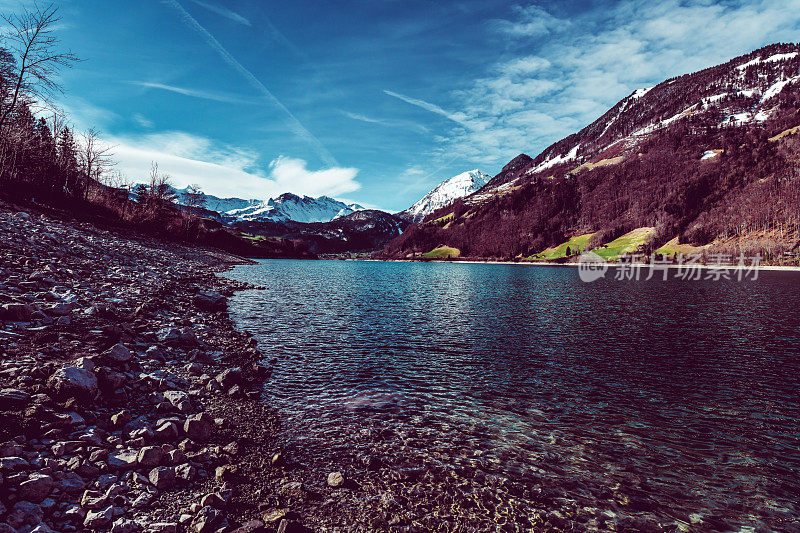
(641, 266)
(130, 400)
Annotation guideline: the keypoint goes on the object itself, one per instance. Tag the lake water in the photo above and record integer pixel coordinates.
(483, 394)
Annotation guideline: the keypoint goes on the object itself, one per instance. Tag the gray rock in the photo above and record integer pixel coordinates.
(60, 309)
(210, 301)
(199, 427)
(180, 400)
(163, 527)
(36, 488)
(119, 354)
(14, 398)
(123, 459)
(73, 381)
(185, 472)
(230, 377)
(251, 526)
(13, 463)
(24, 513)
(150, 456)
(185, 338)
(207, 519)
(123, 525)
(335, 479)
(162, 477)
(99, 519)
(16, 312)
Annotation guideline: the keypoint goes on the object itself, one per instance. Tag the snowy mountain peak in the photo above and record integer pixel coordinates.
(296, 208)
(445, 193)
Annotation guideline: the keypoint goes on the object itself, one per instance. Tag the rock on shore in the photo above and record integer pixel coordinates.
(114, 351)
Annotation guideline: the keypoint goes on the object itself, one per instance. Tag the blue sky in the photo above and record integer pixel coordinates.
(374, 101)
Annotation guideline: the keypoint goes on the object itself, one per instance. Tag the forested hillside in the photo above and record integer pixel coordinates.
(709, 158)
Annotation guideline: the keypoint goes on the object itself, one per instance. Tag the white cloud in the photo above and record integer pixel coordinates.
(530, 21)
(572, 77)
(142, 120)
(224, 170)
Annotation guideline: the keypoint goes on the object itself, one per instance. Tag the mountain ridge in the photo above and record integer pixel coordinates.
(692, 158)
(445, 194)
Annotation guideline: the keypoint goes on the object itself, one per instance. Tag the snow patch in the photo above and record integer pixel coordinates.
(447, 192)
(777, 88)
(544, 165)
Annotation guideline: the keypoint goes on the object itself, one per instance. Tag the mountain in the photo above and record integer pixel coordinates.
(290, 207)
(286, 207)
(445, 193)
(706, 161)
(361, 231)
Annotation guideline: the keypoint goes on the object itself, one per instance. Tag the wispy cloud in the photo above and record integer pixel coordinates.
(205, 95)
(142, 121)
(293, 123)
(427, 106)
(223, 11)
(386, 122)
(530, 21)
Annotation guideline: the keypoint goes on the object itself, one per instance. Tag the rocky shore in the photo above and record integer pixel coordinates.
(129, 402)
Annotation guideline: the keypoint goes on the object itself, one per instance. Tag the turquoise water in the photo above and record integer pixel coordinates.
(517, 391)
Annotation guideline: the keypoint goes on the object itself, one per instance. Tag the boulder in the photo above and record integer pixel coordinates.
(207, 519)
(335, 479)
(14, 398)
(71, 381)
(199, 427)
(118, 354)
(36, 488)
(16, 312)
(230, 377)
(179, 400)
(162, 477)
(150, 456)
(99, 519)
(210, 301)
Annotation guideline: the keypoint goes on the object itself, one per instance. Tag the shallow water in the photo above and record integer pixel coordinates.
(676, 402)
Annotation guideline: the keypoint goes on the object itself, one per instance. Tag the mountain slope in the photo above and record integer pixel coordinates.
(362, 231)
(289, 206)
(708, 158)
(445, 193)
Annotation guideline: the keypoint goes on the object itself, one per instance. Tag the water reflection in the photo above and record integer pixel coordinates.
(674, 401)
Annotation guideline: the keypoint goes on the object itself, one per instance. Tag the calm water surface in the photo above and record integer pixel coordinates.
(653, 404)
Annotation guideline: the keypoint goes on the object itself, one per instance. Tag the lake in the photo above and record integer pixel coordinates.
(516, 395)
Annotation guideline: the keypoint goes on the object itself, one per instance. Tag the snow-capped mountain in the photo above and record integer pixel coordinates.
(743, 91)
(284, 208)
(703, 160)
(445, 193)
(289, 206)
(214, 203)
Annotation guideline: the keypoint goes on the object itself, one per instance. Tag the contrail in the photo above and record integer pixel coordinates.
(427, 106)
(227, 13)
(294, 124)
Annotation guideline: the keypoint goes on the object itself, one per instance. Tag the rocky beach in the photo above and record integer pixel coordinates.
(129, 401)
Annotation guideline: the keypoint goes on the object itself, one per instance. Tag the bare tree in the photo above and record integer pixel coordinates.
(37, 59)
(160, 189)
(194, 198)
(95, 158)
